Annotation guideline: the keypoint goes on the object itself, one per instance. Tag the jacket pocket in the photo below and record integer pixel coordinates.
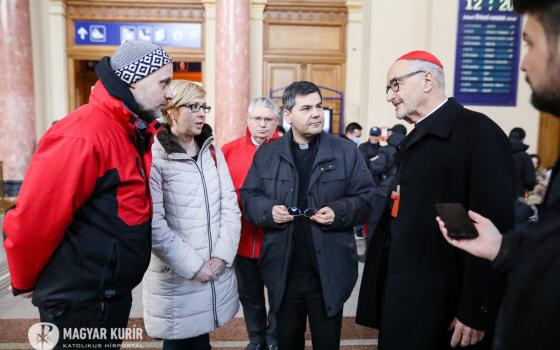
(99, 258)
(111, 270)
(332, 185)
(278, 187)
(112, 267)
(331, 174)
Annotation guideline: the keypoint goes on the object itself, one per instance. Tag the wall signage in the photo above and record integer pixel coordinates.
(487, 53)
(185, 35)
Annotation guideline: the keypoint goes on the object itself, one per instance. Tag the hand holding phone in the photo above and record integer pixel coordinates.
(457, 221)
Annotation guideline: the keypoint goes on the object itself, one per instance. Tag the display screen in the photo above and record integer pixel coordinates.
(487, 53)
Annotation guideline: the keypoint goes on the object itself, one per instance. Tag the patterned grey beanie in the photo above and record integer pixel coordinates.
(135, 60)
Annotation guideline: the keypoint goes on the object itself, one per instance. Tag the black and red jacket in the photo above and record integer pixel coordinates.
(239, 155)
(81, 226)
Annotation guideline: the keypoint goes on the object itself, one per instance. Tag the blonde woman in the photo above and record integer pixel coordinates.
(190, 287)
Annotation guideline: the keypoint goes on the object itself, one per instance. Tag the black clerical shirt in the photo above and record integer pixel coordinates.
(304, 257)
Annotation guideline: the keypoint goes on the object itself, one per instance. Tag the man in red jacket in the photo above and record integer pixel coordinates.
(262, 119)
(79, 238)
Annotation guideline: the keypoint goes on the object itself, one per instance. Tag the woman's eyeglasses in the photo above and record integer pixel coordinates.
(195, 107)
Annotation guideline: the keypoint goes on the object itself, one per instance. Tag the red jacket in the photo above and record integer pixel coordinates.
(239, 155)
(80, 228)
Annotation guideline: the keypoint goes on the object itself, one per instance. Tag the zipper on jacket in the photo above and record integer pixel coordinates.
(212, 285)
(254, 240)
(140, 168)
(140, 144)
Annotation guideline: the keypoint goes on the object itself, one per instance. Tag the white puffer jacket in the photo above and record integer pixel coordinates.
(196, 217)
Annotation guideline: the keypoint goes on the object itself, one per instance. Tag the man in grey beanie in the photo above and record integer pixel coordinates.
(79, 237)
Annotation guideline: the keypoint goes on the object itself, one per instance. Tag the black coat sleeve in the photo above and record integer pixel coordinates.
(257, 206)
(529, 173)
(529, 314)
(509, 250)
(363, 151)
(379, 165)
(491, 194)
(354, 207)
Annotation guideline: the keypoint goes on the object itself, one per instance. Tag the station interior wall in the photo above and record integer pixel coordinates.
(377, 33)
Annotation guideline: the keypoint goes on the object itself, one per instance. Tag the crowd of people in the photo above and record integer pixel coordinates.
(123, 198)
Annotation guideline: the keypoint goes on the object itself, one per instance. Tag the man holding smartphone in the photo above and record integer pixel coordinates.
(419, 292)
(530, 313)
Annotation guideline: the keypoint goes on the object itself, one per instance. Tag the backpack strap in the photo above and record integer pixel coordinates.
(213, 154)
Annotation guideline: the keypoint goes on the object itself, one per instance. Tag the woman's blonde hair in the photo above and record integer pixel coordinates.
(184, 91)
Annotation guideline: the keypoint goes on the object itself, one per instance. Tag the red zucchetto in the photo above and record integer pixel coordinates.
(422, 56)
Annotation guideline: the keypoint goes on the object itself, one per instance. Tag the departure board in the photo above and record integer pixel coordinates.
(487, 53)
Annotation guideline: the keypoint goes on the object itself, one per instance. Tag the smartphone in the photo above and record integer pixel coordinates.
(457, 222)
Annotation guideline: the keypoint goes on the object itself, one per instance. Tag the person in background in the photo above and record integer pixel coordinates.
(78, 238)
(262, 121)
(525, 176)
(420, 293)
(390, 130)
(530, 312)
(383, 169)
(190, 288)
(536, 196)
(536, 161)
(353, 132)
(525, 171)
(371, 147)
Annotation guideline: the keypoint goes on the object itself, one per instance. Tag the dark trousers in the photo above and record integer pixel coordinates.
(201, 342)
(103, 316)
(261, 329)
(303, 299)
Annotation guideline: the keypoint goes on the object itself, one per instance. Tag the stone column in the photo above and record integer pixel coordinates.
(256, 47)
(209, 67)
(51, 85)
(17, 124)
(232, 68)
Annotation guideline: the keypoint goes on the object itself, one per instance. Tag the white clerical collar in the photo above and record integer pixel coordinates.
(255, 142)
(432, 112)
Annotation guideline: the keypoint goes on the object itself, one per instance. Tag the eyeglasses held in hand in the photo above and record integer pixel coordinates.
(394, 84)
(309, 212)
(195, 107)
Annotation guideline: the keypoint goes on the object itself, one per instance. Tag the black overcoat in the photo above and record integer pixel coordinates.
(530, 313)
(339, 179)
(414, 282)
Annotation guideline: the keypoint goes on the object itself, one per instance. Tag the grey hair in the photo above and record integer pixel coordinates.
(436, 70)
(264, 102)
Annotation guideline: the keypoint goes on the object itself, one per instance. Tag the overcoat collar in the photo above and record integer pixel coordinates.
(439, 124)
